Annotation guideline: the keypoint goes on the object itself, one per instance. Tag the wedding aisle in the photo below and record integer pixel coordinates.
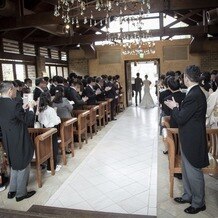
(120, 173)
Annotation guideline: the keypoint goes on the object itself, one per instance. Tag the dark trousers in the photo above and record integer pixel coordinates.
(136, 97)
(55, 151)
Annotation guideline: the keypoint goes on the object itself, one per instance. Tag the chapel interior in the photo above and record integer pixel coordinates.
(116, 166)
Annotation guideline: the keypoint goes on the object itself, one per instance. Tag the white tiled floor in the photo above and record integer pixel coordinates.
(120, 174)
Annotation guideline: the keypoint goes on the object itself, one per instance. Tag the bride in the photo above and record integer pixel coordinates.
(147, 101)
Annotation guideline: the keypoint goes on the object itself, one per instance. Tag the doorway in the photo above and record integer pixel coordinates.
(151, 68)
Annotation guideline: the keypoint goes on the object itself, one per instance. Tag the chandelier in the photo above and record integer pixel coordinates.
(78, 12)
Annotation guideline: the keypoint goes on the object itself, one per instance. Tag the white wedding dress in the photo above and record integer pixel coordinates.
(147, 101)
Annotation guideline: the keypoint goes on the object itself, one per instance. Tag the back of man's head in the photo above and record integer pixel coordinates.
(5, 86)
(39, 80)
(193, 73)
(138, 74)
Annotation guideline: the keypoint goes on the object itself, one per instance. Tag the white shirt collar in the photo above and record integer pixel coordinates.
(39, 88)
(189, 88)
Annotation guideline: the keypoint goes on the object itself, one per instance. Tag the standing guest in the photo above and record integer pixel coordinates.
(64, 108)
(111, 93)
(204, 83)
(48, 118)
(40, 88)
(47, 84)
(53, 85)
(60, 83)
(138, 89)
(27, 86)
(14, 121)
(192, 131)
(213, 82)
(19, 94)
(90, 92)
(73, 95)
(100, 85)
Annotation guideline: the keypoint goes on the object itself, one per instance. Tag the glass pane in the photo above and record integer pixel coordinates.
(7, 70)
(47, 70)
(20, 72)
(31, 70)
(65, 72)
(53, 71)
(59, 71)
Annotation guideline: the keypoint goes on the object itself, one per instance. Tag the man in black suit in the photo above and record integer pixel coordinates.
(90, 92)
(192, 131)
(73, 95)
(53, 86)
(40, 87)
(14, 120)
(99, 85)
(138, 89)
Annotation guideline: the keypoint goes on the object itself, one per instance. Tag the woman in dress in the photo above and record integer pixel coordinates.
(147, 101)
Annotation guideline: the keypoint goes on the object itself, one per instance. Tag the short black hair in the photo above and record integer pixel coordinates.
(138, 74)
(173, 83)
(60, 79)
(193, 72)
(89, 80)
(44, 101)
(46, 78)
(18, 83)
(170, 73)
(27, 80)
(39, 80)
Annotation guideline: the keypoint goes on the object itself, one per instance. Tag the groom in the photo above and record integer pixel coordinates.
(192, 132)
(138, 89)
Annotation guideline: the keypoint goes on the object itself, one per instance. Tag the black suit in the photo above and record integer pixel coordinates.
(112, 94)
(100, 97)
(90, 93)
(36, 93)
(192, 132)
(16, 139)
(138, 89)
(73, 95)
(52, 89)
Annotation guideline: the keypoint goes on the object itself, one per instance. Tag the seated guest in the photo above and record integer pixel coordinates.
(64, 108)
(14, 121)
(53, 85)
(100, 85)
(27, 86)
(90, 92)
(48, 118)
(40, 88)
(73, 95)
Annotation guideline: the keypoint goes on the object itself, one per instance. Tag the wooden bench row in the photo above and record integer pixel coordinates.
(172, 142)
(90, 119)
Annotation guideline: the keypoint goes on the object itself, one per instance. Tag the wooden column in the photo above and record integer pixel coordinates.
(40, 66)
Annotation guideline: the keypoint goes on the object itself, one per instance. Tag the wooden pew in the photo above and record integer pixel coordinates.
(80, 127)
(108, 109)
(175, 157)
(101, 114)
(42, 138)
(121, 105)
(67, 137)
(92, 122)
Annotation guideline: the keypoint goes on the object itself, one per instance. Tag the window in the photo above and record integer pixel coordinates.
(7, 71)
(31, 70)
(53, 71)
(47, 70)
(63, 56)
(43, 52)
(65, 72)
(29, 49)
(11, 46)
(54, 54)
(20, 72)
(60, 73)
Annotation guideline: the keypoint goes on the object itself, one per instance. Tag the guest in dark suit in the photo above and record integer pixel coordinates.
(40, 87)
(60, 83)
(53, 85)
(27, 86)
(138, 88)
(14, 121)
(111, 93)
(90, 92)
(73, 95)
(100, 85)
(192, 131)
